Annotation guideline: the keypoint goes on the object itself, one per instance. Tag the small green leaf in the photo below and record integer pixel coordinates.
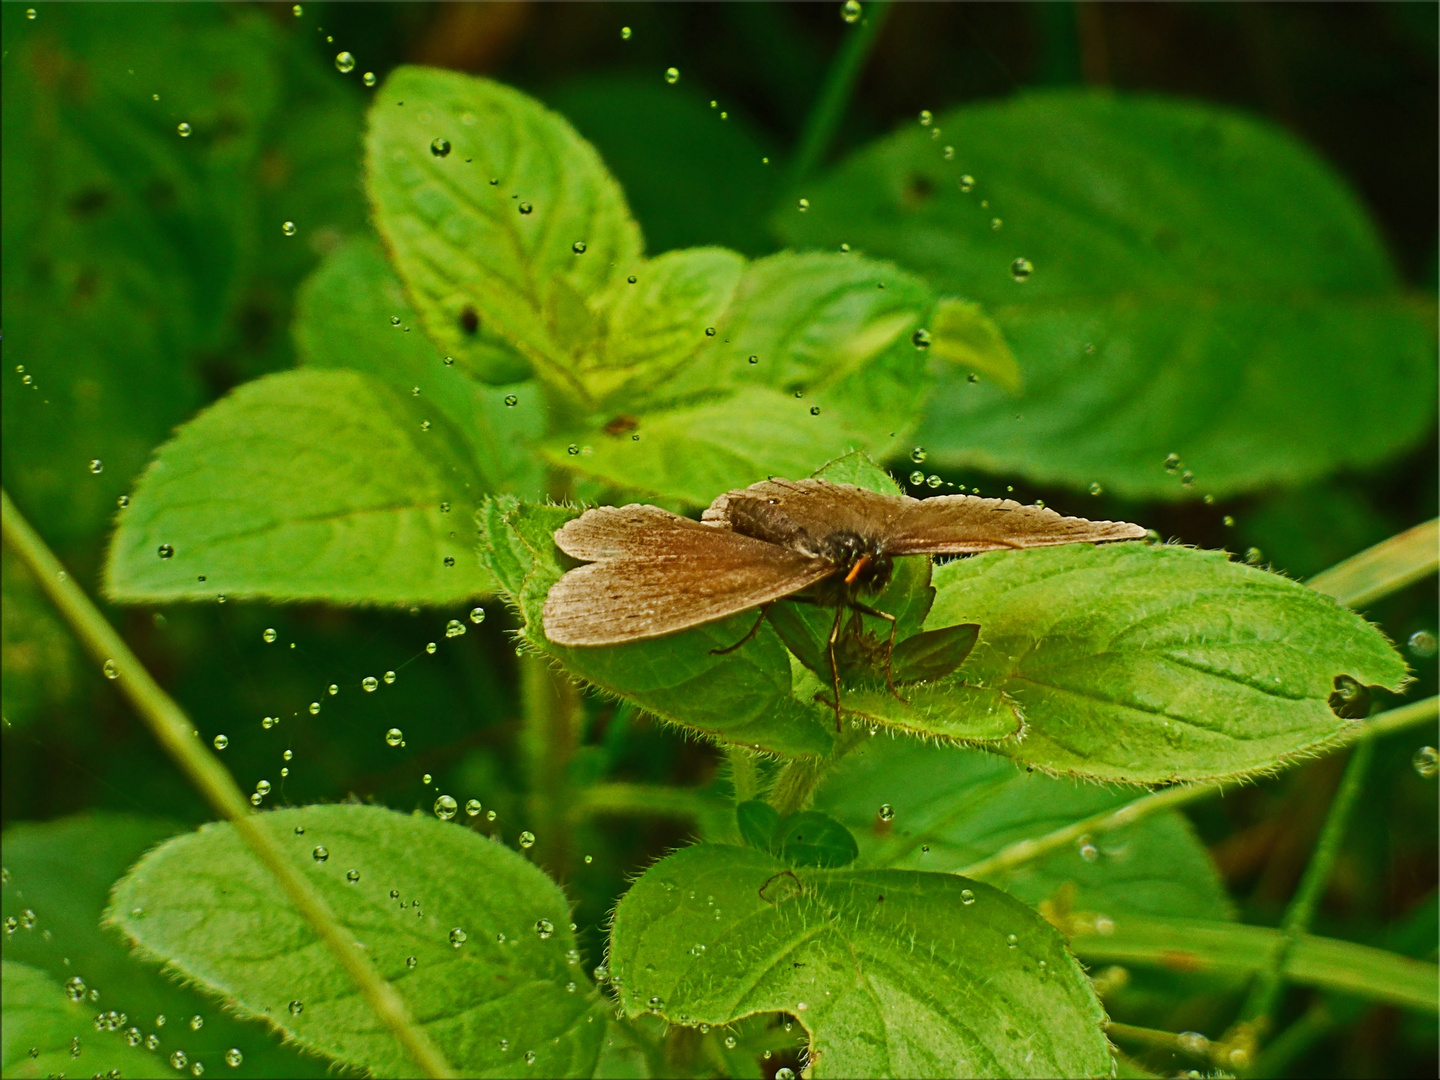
(857, 468)
(343, 320)
(1200, 284)
(492, 967)
(501, 256)
(306, 485)
(1150, 664)
(742, 697)
(933, 654)
(892, 973)
(812, 838)
(963, 334)
(758, 821)
(948, 808)
(48, 1034)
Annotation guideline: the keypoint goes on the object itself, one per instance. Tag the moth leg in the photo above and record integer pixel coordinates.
(889, 648)
(834, 666)
(748, 635)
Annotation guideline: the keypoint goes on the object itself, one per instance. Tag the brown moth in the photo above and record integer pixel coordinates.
(650, 572)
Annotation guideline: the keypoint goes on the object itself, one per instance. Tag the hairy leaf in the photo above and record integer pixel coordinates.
(950, 808)
(1201, 285)
(307, 485)
(812, 838)
(499, 256)
(1150, 664)
(892, 973)
(45, 1033)
(513, 985)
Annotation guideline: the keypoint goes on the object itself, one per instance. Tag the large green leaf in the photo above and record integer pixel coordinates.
(345, 319)
(1150, 664)
(513, 987)
(1203, 285)
(951, 807)
(63, 871)
(892, 973)
(501, 257)
(46, 1033)
(307, 485)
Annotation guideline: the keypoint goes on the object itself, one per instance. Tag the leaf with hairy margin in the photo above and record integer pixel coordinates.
(215, 915)
(1150, 664)
(953, 807)
(891, 972)
(43, 1030)
(305, 485)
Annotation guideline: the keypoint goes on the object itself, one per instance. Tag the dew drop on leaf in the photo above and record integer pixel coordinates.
(1095, 488)
(1012, 941)
(197, 1022)
(184, 129)
(454, 628)
(368, 78)
(320, 854)
(296, 1008)
(234, 1058)
(440, 147)
(472, 807)
(784, 1073)
(525, 208)
(803, 205)
(1228, 521)
(544, 928)
(578, 247)
(921, 338)
(886, 812)
(112, 671)
(527, 839)
(1422, 644)
(754, 359)
(995, 223)
(1427, 762)
(165, 551)
(1172, 463)
(445, 807)
(179, 1059)
(967, 897)
(352, 876)
(344, 62)
(511, 401)
(411, 961)
(918, 455)
(458, 937)
(333, 689)
(477, 615)
(917, 477)
(926, 118)
(814, 410)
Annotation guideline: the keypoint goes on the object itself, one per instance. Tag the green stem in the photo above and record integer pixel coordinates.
(549, 738)
(829, 108)
(1265, 993)
(744, 773)
(796, 784)
(1383, 569)
(170, 726)
(1024, 851)
(644, 800)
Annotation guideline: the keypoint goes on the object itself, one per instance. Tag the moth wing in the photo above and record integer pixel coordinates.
(672, 586)
(966, 524)
(610, 532)
(815, 507)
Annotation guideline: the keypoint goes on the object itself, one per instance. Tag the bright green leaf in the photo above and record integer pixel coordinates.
(812, 838)
(45, 1033)
(963, 334)
(1150, 664)
(950, 808)
(757, 821)
(500, 256)
(343, 320)
(307, 485)
(892, 973)
(214, 914)
(1202, 284)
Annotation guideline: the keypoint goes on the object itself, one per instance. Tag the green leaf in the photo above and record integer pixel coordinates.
(343, 320)
(812, 838)
(307, 485)
(963, 334)
(63, 872)
(215, 915)
(933, 654)
(742, 697)
(857, 468)
(757, 821)
(1202, 284)
(835, 371)
(1150, 664)
(47, 1034)
(40, 660)
(950, 808)
(462, 244)
(892, 973)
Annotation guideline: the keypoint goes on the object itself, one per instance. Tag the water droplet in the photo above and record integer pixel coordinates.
(30, 13)
(948, 153)
(221, 741)
(920, 339)
(784, 1073)
(624, 33)
(368, 78)
(369, 684)
(445, 807)
(321, 853)
(511, 401)
(430, 647)
(298, 10)
(152, 1042)
(454, 628)
(803, 205)
(184, 129)
(1095, 488)
(477, 615)
(490, 815)
(529, 1057)
(1426, 762)
(1192, 1042)
(709, 331)
(234, 1058)
(179, 1059)
(1422, 644)
(165, 551)
(263, 787)
(1021, 269)
(754, 359)
(352, 876)
(424, 425)
(96, 466)
(578, 247)
(917, 477)
(1086, 846)
(933, 481)
(269, 635)
(123, 501)
(472, 807)
(269, 722)
(926, 118)
(814, 410)
(886, 812)
(288, 228)
(197, 1022)
(995, 224)
(1254, 556)
(573, 449)
(525, 208)
(1228, 521)
(440, 147)
(1012, 941)
(344, 63)
(527, 839)
(458, 937)
(111, 669)
(411, 961)
(1187, 478)
(333, 689)
(296, 1008)
(1172, 463)
(449, 560)
(850, 11)
(967, 897)
(544, 928)
(672, 75)
(389, 678)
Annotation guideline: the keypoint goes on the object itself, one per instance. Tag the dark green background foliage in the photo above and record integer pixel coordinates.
(1230, 215)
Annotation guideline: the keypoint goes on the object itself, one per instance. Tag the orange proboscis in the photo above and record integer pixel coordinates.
(855, 570)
